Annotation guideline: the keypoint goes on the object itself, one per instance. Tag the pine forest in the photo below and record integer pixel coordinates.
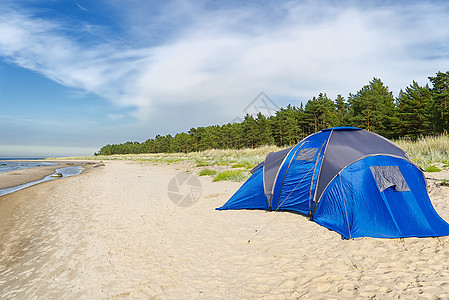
(417, 111)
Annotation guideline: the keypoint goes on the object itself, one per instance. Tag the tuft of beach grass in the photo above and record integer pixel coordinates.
(232, 175)
(428, 150)
(207, 172)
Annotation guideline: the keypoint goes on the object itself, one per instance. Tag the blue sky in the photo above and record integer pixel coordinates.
(76, 75)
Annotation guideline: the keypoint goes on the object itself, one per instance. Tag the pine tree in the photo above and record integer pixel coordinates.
(341, 109)
(195, 137)
(264, 130)
(414, 107)
(440, 93)
(238, 136)
(320, 113)
(182, 142)
(373, 108)
(251, 131)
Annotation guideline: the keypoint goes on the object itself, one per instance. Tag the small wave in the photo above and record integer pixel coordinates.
(6, 166)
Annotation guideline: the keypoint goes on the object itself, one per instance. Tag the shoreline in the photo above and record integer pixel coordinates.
(11, 203)
(15, 178)
(11, 179)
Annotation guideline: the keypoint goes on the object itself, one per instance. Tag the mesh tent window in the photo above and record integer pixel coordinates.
(307, 154)
(389, 176)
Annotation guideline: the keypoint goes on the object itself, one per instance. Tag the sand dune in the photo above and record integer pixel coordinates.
(113, 233)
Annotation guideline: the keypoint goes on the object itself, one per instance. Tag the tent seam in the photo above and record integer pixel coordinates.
(313, 175)
(282, 163)
(344, 202)
(319, 172)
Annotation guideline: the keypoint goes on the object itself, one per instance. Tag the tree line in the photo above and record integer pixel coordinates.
(418, 110)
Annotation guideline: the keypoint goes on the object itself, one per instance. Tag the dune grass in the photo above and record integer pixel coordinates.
(246, 158)
(427, 151)
(431, 153)
(207, 172)
(432, 168)
(232, 175)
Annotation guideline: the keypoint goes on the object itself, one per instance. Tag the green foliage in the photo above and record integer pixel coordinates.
(207, 172)
(232, 175)
(321, 113)
(417, 111)
(246, 165)
(432, 169)
(373, 108)
(341, 111)
(414, 111)
(440, 94)
(221, 163)
(239, 165)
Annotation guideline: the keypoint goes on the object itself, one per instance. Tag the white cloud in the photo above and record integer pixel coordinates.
(115, 116)
(339, 53)
(81, 7)
(225, 57)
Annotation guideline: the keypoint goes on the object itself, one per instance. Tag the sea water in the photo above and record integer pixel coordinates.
(6, 166)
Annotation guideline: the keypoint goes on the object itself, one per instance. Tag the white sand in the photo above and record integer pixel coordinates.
(113, 233)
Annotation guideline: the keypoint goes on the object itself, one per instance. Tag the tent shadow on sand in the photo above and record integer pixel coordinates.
(346, 179)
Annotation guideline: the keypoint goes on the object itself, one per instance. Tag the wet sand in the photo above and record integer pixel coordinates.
(19, 177)
(113, 233)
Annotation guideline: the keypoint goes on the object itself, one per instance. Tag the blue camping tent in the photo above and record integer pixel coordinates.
(347, 179)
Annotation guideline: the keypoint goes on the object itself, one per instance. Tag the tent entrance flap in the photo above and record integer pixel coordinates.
(271, 166)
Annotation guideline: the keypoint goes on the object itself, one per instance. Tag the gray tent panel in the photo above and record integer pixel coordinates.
(253, 170)
(389, 176)
(345, 147)
(270, 168)
(307, 154)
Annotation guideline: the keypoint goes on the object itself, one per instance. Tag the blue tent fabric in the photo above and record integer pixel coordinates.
(297, 187)
(356, 212)
(250, 195)
(351, 181)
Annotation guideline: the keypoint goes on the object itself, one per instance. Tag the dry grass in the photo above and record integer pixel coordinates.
(218, 160)
(428, 150)
(244, 157)
(425, 152)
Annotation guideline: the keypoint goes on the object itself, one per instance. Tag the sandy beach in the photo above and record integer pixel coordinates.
(113, 233)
